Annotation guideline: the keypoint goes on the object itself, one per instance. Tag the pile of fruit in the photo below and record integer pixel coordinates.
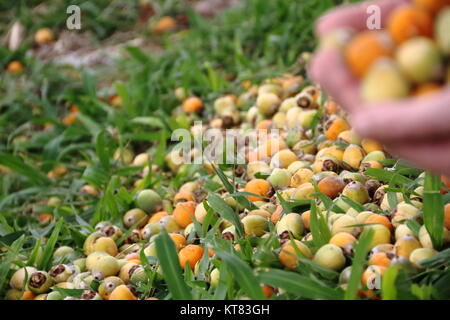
(306, 201)
(408, 58)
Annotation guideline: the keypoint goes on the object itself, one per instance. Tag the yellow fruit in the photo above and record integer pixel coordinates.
(330, 256)
(381, 235)
(405, 245)
(353, 156)
(43, 36)
(384, 82)
(419, 59)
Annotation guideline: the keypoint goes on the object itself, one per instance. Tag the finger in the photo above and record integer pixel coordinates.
(355, 16)
(430, 155)
(329, 70)
(411, 119)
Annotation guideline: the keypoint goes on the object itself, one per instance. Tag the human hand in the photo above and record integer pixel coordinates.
(417, 130)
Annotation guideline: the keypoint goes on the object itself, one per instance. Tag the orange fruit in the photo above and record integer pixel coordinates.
(334, 127)
(179, 240)
(28, 295)
(371, 272)
(447, 216)
(342, 239)
(192, 105)
(426, 89)
(446, 181)
(122, 292)
(264, 125)
(380, 259)
(306, 219)
(44, 218)
(191, 254)
(331, 186)
(157, 216)
(432, 6)
(165, 24)
(380, 219)
(260, 187)
(275, 217)
(366, 48)
(267, 290)
(409, 22)
(183, 196)
(15, 67)
(183, 213)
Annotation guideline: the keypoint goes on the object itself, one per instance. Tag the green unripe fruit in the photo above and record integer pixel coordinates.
(123, 155)
(80, 264)
(442, 27)
(215, 277)
(291, 223)
(135, 216)
(330, 256)
(375, 156)
(168, 223)
(62, 251)
(54, 295)
(40, 282)
(255, 225)
(306, 117)
(148, 200)
(420, 60)
(421, 254)
(138, 276)
(279, 178)
(151, 229)
(357, 192)
(18, 278)
(150, 250)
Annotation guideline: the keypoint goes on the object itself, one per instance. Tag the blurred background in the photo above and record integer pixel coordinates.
(59, 88)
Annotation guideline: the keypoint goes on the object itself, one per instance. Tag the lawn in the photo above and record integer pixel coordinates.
(70, 132)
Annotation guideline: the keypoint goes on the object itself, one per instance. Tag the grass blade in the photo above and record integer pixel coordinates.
(243, 275)
(167, 255)
(44, 263)
(433, 209)
(220, 206)
(361, 251)
(16, 164)
(300, 285)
